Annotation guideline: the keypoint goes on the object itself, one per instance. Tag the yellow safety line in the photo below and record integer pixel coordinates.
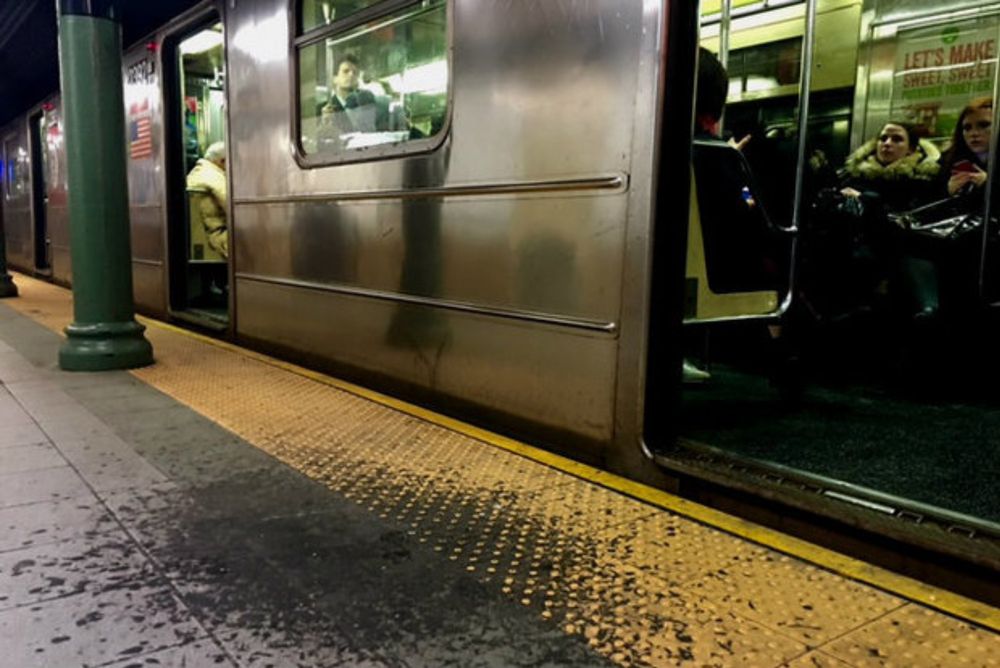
(855, 569)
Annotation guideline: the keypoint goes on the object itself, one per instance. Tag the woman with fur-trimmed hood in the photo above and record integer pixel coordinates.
(896, 168)
(892, 173)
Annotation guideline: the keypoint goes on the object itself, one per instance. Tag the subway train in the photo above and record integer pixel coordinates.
(489, 206)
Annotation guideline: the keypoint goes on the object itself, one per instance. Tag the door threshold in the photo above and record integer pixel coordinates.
(211, 321)
(938, 530)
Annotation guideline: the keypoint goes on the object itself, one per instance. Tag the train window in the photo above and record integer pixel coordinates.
(316, 13)
(16, 176)
(765, 67)
(369, 85)
(7, 175)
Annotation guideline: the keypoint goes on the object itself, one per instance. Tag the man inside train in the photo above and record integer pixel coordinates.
(206, 185)
(710, 100)
(352, 108)
(712, 88)
(736, 230)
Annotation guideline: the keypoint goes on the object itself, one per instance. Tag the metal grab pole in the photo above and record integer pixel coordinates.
(725, 25)
(991, 164)
(724, 31)
(805, 89)
(104, 334)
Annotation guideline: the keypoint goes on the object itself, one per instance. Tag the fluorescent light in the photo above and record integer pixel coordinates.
(206, 40)
(429, 78)
(757, 83)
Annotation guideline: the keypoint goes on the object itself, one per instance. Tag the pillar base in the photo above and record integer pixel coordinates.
(7, 287)
(105, 346)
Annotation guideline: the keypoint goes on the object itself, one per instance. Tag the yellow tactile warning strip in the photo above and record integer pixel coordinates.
(640, 584)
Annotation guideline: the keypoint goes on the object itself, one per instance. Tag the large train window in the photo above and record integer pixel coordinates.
(373, 78)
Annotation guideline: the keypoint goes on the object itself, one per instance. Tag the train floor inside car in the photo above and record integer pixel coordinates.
(917, 420)
(222, 507)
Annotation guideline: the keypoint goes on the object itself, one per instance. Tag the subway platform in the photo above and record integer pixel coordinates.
(221, 508)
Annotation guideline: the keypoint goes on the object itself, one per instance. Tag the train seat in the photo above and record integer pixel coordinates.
(198, 248)
(731, 271)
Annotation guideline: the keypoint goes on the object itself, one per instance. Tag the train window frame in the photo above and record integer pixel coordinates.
(298, 41)
(300, 30)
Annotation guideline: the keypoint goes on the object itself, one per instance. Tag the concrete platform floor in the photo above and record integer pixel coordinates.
(216, 509)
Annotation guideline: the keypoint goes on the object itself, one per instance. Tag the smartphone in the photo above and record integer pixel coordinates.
(963, 166)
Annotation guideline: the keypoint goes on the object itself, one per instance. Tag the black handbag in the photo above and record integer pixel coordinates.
(950, 219)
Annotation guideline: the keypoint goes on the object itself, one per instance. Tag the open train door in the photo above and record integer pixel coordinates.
(37, 128)
(724, 257)
(888, 327)
(197, 179)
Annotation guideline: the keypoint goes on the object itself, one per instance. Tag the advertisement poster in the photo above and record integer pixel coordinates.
(938, 70)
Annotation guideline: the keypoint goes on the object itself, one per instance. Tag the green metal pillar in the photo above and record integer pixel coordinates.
(7, 287)
(104, 334)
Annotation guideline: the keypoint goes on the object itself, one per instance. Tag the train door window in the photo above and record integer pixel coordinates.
(39, 193)
(200, 243)
(865, 387)
(7, 177)
(17, 169)
(373, 78)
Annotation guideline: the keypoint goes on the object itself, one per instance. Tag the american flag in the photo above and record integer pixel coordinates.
(140, 138)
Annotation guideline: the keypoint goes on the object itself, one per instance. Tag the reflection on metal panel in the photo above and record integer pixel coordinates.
(17, 197)
(147, 288)
(260, 99)
(450, 352)
(57, 188)
(147, 237)
(550, 254)
(144, 130)
(465, 307)
(62, 262)
(564, 186)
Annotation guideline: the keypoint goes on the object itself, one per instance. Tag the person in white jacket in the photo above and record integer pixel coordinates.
(206, 183)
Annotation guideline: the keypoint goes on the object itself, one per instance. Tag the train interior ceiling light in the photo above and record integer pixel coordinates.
(203, 41)
(712, 11)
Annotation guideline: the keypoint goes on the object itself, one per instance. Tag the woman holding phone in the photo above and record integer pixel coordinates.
(963, 179)
(964, 164)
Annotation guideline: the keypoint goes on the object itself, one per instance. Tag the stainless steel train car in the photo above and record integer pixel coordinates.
(487, 249)
(484, 204)
(34, 194)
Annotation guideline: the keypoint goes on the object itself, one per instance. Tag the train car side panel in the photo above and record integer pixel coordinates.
(450, 270)
(17, 197)
(147, 210)
(57, 190)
